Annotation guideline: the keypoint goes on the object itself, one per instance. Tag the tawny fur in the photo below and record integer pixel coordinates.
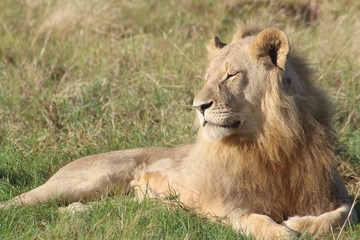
(264, 159)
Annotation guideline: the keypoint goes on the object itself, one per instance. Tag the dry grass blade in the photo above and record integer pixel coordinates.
(348, 221)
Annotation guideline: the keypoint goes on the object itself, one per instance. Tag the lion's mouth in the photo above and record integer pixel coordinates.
(227, 125)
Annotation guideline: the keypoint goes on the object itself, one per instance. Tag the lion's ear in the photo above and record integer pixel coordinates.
(214, 46)
(271, 47)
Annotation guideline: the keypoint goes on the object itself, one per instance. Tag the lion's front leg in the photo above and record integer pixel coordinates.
(161, 184)
(142, 189)
(322, 223)
(152, 184)
(259, 226)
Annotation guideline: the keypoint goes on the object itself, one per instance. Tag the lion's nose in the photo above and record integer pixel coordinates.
(203, 107)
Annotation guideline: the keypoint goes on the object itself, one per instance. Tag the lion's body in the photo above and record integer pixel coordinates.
(264, 157)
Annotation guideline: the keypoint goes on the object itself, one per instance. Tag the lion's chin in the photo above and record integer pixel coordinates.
(213, 132)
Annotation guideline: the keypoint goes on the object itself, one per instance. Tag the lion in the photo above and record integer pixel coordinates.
(263, 160)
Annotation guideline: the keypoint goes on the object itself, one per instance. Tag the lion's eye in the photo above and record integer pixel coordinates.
(231, 75)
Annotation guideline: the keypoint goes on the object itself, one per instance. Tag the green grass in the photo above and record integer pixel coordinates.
(110, 219)
(83, 77)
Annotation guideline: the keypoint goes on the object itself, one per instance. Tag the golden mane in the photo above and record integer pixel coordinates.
(286, 168)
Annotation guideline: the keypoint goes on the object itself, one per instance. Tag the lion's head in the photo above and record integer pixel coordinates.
(246, 79)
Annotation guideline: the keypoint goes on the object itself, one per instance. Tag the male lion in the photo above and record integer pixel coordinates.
(264, 158)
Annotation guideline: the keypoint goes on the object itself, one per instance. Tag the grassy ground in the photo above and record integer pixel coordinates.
(79, 77)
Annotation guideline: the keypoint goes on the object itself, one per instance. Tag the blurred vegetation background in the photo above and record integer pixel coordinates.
(80, 77)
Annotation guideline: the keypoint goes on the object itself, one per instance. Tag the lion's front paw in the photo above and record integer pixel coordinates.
(303, 224)
(285, 233)
(142, 190)
(75, 207)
